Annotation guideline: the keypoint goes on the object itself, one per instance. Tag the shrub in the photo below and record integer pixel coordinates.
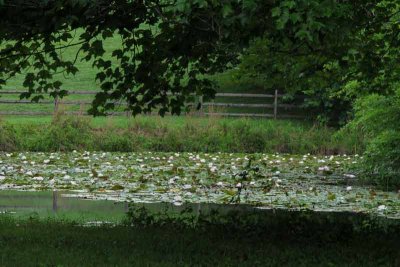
(378, 118)
(65, 133)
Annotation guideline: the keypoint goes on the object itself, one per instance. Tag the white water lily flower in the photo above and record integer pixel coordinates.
(187, 186)
(202, 160)
(239, 185)
(381, 208)
(323, 168)
(321, 161)
(213, 169)
(46, 161)
(301, 162)
(252, 183)
(349, 188)
(171, 181)
(73, 183)
(67, 177)
(220, 184)
(29, 173)
(349, 176)
(177, 201)
(277, 172)
(38, 178)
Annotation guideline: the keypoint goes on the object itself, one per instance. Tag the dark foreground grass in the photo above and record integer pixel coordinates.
(49, 243)
(174, 134)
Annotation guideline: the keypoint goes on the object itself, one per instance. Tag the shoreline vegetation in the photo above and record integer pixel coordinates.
(35, 242)
(174, 134)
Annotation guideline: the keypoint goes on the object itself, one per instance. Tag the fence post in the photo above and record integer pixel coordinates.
(201, 105)
(276, 104)
(55, 201)
(56, 102)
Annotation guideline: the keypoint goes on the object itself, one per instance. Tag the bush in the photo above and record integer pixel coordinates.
(378, 118)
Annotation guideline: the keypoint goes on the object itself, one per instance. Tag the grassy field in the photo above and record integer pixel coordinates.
(84, 80)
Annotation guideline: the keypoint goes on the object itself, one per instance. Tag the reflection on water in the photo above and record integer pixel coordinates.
(66, 205)
(57, 204)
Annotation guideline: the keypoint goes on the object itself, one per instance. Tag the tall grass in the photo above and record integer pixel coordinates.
(197, 134)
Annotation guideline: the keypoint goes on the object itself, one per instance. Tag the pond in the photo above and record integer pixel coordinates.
(272, 181)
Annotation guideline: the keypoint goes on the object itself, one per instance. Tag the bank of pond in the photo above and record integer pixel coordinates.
(55, 229)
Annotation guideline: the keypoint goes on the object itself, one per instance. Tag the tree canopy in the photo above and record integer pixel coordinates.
(330, 50)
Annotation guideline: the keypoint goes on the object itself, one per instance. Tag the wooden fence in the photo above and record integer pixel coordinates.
(273, 107)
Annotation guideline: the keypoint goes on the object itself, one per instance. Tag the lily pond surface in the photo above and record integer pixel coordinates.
(293, 182)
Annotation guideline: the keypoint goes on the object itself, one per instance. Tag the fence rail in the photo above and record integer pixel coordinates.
(274, 106)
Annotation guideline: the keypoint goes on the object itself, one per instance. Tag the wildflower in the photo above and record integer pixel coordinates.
(349, 188)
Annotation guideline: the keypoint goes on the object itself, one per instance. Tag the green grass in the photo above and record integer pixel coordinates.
(186, 133)
(85, 80)
(52, 243)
